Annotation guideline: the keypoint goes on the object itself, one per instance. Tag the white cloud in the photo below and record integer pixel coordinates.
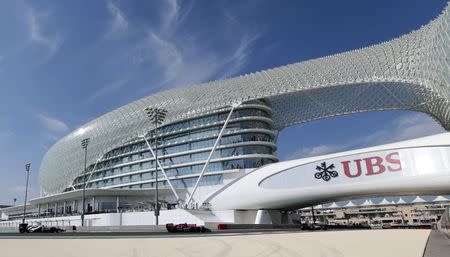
(118, 23)
(408, 126)
(108, 89)
(52, 123)
(240, 55)
(185, 64)
(170, 17)
(167, 55)
(187, 60)
(35, 32)
(181, 56)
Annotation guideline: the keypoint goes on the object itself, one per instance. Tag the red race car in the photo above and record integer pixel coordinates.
(184, 227)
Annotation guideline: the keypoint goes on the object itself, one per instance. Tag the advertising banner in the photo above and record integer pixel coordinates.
(364, 167)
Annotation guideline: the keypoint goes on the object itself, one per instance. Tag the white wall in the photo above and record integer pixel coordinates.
(116, 219)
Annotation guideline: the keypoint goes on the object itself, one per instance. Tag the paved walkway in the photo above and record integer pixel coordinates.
(438, 245)
(367, 243)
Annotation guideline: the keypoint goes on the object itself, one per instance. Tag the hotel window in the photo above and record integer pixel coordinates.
(146, 176)
(125, 179)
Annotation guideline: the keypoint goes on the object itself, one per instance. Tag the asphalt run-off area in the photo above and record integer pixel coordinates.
(368, 243)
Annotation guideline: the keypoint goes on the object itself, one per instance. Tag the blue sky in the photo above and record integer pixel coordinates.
(63, 63)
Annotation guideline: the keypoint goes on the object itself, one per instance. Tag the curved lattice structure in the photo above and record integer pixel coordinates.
(410, 72)
(247, 143)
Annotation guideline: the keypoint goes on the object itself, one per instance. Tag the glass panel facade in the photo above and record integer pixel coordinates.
(184, 148)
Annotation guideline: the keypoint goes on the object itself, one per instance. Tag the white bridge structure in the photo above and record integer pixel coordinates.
(218, 140)
(418, 166)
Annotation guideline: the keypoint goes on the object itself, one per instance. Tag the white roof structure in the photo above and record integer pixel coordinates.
(367, 202)
(349, 204)
(410, 72)
(418, 199)
(400, 201)
(333, 205)
(420, 166)
(440, 198)
(385, 202)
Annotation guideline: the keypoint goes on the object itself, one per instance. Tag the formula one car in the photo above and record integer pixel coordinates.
(39, 228)
(184, 227)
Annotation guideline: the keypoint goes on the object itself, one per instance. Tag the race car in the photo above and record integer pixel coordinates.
(39, 228)
(184, 227)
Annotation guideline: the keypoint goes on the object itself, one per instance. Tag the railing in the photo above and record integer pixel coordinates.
(49, 222)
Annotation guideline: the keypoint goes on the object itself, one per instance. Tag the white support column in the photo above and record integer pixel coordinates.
(212, 151)
(117, 203)
(90, 175)
(64, 208)
(92, 172)
(161, 168)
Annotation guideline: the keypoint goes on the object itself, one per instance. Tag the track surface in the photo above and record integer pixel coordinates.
(438, 245)
(367, 243)
(143, 234)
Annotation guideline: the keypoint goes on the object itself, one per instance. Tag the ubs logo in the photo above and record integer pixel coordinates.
(373, 165)
(325, 172)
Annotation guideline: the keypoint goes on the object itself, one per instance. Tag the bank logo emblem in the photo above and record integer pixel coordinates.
(325, 172)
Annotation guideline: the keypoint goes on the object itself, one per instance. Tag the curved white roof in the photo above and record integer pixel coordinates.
(410, 72)
(422, 167)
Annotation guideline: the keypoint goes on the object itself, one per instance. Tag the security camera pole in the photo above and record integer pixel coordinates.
(84, 144)
(157, 116)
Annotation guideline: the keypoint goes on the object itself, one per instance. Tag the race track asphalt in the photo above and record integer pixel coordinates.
(369, 243)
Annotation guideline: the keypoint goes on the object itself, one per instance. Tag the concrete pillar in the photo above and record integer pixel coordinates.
(263, 217)
(275, 216)
(39, 210)
(284, 217)
(64, 207)
(258, 217)
(117, 203)
(56, 208)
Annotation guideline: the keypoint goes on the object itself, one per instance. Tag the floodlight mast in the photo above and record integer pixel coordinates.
(27, 169)
(84, 144)
(157, 117)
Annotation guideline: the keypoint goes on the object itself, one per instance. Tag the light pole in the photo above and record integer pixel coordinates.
(84, 144)
(157, 116)
(313, 214)
(27, 169)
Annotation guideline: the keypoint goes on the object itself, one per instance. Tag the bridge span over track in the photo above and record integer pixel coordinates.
(419, 166)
